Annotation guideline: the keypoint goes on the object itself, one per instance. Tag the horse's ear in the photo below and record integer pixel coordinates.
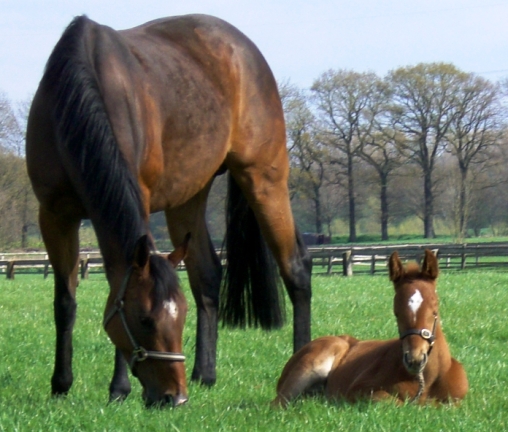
(180, 252)
(141, 252)
(430, 267)
(395, 267)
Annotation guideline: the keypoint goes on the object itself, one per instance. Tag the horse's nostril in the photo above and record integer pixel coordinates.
(414, 365)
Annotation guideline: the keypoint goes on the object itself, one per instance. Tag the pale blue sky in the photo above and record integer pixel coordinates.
(300, 39)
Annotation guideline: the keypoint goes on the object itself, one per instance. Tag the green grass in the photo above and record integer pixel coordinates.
(474, 307)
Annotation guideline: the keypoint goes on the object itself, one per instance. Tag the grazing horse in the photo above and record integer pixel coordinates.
(126, 123)
(416, 366)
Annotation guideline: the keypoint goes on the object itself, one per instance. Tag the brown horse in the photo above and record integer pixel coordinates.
(125, 123)
(416, 366)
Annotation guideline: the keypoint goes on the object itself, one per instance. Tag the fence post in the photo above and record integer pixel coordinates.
(329, 270)
(373, 264)
(347, 263)
(10, 270)
(84, 268)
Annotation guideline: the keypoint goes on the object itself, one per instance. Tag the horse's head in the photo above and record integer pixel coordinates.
(146, 323)
(416, 308)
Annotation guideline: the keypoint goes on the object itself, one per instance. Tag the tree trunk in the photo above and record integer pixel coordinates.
(384, 207)
(24, 227)
(428, 211)
(463, 202)
(318, 211)
(351, 198)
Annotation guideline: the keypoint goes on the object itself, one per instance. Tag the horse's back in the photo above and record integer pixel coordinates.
(207, 92)
(368, 366)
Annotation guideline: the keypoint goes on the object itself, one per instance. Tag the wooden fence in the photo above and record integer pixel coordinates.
(344, 260)
(373, 259)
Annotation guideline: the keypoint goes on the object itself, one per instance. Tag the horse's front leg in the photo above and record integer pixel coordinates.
(60, 235)
(204, 269)
(120, 386)
(205, 274)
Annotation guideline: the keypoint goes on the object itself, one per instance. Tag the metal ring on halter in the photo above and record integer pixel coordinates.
(428, 335)
(139, 353)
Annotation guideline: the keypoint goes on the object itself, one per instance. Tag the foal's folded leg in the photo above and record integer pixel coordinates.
(307, 370)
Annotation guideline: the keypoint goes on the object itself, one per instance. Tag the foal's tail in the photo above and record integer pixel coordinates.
(251, 294)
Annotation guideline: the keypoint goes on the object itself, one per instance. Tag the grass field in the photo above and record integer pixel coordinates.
(474, 307)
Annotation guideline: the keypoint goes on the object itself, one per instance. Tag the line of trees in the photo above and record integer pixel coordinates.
(426, 141)
(18, 215)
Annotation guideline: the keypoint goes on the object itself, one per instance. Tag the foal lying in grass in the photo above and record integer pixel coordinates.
(416, 366)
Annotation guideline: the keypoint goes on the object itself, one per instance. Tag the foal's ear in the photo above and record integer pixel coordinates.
(141, 252)
(430, 267)
(180, 252)
(395, 267)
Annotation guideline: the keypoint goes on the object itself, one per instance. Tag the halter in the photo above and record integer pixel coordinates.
(139, 353)
(430, 337)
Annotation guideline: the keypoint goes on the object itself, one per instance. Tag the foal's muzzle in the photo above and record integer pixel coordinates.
(415, 366)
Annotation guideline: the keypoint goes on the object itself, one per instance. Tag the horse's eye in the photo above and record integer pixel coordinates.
(148, 323)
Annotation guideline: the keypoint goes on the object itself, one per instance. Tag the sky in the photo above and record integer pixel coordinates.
(301, 39)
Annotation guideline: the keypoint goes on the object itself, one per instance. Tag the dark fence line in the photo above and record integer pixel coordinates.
(345, 260)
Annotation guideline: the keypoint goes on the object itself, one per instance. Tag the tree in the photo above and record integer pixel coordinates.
(341, 98)
(379, 144)
(306, 152)
(424, 97)
(17, 201)
(474, 131)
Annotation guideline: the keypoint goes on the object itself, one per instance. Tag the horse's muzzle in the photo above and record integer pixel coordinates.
(415, 365)
(166, 401)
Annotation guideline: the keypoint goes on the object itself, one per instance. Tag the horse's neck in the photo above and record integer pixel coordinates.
(440, 356)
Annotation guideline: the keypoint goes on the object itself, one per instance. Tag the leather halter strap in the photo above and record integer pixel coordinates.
(428, 335)
(138, 352)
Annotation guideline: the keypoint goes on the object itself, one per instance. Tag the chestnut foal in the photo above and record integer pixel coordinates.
(417, 366)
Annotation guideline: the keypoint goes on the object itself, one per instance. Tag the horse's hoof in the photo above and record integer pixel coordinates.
(117, 397)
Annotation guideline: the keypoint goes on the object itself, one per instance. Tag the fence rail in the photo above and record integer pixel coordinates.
(345, 260)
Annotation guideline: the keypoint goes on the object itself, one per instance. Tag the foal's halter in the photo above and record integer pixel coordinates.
(139, 353)
(430, 337)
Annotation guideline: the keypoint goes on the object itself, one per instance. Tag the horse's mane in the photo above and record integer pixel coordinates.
(99, 172)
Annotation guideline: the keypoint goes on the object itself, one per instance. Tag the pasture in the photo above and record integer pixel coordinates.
(474, 306)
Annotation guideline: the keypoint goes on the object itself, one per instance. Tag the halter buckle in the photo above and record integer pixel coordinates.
(140, 354)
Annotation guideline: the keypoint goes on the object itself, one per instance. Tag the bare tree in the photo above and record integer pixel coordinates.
(380, 143)
(342, 97)
(17, 201)
(424, 98)
(307, 154)
(474, 131)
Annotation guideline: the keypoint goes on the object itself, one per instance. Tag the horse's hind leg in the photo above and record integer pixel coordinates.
(205, 272)
(267, 193)
(60, 235)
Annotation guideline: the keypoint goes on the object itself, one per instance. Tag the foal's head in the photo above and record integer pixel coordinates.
(416, 308)
(146, 324)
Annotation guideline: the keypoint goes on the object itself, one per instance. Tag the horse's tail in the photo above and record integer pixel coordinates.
(85, 137)
(251, 293)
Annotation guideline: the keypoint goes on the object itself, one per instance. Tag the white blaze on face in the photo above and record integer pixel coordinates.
(172, 308)
(415, 302)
